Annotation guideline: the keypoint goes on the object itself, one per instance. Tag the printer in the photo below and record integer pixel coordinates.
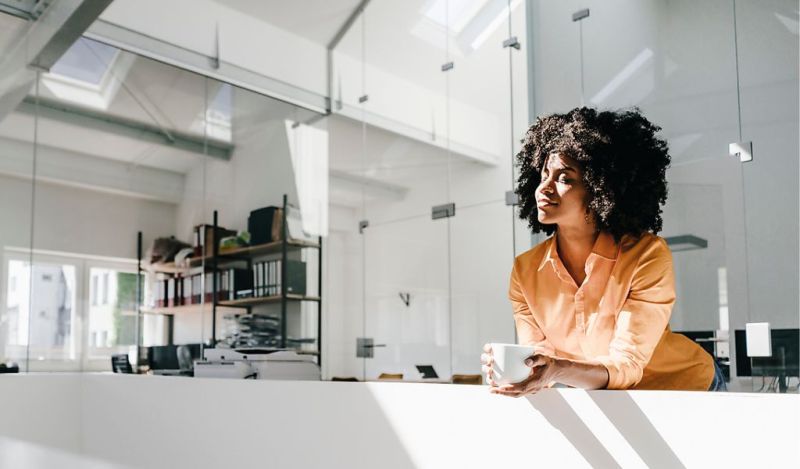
(256, 364)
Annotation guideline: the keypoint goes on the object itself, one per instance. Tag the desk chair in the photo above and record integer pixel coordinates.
(390, 377)
(120, 364)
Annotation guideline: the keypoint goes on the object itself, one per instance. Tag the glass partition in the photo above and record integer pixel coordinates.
(130, 163)
(395, 208)
(19, 309)
(698, 70)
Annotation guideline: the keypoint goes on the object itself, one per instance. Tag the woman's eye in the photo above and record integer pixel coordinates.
(564, 179)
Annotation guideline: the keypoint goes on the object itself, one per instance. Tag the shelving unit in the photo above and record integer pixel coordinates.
(218, 259)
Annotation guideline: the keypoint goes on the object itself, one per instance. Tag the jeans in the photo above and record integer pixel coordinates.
(718, 384)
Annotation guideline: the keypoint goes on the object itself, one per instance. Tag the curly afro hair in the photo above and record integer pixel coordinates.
(624, 167)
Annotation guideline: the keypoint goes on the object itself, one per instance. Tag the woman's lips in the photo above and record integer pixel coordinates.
(544, 204)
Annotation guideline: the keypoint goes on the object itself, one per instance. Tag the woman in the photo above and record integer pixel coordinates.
(595, 298)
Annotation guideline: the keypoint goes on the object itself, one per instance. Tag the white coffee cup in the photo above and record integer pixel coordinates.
(509, 362)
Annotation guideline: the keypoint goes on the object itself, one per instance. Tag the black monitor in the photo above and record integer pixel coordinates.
(165, 357)
(785, 359)
(707, 345)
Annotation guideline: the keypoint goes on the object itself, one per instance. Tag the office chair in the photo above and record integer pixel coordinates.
(120, 364)
(390, 377)
(467, 379)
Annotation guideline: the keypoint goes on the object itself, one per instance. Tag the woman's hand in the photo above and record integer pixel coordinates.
(544, 370)
(487, 360)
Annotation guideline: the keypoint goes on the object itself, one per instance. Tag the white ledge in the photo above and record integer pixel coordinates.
(146, 421)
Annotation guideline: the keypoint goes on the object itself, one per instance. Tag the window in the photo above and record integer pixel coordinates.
(40, 314)
(50, 321)
(86, 61)
(113, 321)
(94, 290)
(105, 288)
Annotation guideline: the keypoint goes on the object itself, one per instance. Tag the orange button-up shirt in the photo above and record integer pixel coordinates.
(618, 317)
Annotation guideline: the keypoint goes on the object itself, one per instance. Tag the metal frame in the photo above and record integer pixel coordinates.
(87, 118)
(45, 40)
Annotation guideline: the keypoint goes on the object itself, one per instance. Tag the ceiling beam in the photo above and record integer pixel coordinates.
(337, 38)
(110, 124)
(42, 43)
(69, 168)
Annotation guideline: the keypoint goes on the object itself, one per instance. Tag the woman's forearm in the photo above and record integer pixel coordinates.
(581, 374)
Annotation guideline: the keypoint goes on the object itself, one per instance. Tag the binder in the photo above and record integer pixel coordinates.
(271, 278)
(186, 297)
(170, 292)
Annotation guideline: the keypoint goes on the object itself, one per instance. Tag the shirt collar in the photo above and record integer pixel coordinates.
(604, 246)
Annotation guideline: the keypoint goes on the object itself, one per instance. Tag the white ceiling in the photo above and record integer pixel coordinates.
(401, 40)
(316, 20)
(10, 30)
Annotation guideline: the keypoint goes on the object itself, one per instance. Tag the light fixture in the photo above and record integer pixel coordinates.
(685, 243)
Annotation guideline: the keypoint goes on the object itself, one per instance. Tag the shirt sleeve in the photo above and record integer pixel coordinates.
(643, 318)
(528, 331)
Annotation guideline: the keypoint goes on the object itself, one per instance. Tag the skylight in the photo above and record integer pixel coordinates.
(89, 74)
(218, 114)
(471, 22)
(87, 61)
(459, 12)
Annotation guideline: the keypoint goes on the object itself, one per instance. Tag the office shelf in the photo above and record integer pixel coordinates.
(178, 310)
(266, 300)
(276, 247)
(230, 255)
(215, 263)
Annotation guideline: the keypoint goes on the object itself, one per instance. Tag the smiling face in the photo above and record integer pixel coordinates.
(561, 196)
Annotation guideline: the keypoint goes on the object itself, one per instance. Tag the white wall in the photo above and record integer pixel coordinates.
(81, 221)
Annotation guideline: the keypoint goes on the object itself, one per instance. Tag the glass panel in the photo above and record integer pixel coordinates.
(767, 38)
(406, 307)
(293, 175)
(481, 266)
(407, 297)
(676, 62)
(112, 312)
(43, 325)
(17, 166)
(488, 107)
(117, 156)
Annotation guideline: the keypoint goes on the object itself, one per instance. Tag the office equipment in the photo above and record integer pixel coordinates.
(256, 364)
(9, 368)
(759, 341)
(264, 225)
(173, 360)
(783, 364)
(427, 371)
